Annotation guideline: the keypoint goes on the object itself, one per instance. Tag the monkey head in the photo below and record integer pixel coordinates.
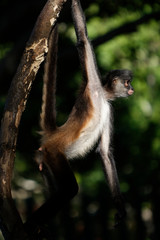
(118, 83)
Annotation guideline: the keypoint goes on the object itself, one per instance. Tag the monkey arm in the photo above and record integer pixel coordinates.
(86, 54)
(111, 175)
(79, 20)
(48, 113)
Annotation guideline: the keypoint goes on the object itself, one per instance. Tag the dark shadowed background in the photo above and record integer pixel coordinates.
(136, 140)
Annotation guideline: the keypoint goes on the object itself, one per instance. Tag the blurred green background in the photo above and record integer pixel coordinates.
(136, 140)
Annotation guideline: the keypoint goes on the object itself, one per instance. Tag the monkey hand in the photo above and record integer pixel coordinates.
(121, 212)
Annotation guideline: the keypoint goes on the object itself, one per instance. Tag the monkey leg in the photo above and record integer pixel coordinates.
(56, 169)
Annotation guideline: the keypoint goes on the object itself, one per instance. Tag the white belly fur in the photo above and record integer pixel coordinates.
(90, 134)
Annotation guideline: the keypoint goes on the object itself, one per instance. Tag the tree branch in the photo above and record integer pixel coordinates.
(36, 47)
(126, 28)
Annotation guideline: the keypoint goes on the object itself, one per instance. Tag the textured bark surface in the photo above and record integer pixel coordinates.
(10, 221)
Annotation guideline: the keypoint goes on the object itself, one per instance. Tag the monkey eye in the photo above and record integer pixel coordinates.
(127, 82)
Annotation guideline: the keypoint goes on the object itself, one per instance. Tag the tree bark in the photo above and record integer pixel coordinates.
(34, 53)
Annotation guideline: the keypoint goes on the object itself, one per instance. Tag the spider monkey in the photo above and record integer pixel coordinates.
(90, 120)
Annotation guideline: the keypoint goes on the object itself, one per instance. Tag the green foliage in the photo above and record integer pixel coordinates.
(4, 49)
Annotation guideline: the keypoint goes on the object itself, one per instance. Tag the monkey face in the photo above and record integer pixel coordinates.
(118, 83)
(122, 87)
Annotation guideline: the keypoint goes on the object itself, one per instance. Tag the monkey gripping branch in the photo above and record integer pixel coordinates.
(10, 220)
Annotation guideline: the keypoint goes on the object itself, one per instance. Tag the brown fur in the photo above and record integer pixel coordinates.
(63, 136)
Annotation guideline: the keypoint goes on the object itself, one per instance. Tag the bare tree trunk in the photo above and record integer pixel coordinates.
(10, 221)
